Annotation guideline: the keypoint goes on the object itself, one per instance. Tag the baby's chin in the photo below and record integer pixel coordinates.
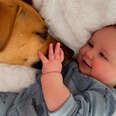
(85, 72)
(92, 75)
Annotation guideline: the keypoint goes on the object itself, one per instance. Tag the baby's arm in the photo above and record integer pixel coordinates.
(54, 91)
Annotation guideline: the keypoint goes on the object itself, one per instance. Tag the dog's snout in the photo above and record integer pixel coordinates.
(37, 65)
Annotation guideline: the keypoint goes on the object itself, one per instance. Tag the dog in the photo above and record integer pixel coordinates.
(22, 33)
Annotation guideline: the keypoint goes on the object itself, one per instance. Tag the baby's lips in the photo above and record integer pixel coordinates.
(87, 63)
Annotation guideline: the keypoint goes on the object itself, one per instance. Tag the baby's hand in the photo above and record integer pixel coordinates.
(54, 61)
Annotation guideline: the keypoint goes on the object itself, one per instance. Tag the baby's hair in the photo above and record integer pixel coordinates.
(114, 26)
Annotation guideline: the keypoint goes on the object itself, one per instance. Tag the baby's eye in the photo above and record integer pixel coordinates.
(102, 55)
(90, 45)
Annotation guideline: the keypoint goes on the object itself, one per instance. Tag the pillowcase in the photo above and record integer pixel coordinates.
(73, 21)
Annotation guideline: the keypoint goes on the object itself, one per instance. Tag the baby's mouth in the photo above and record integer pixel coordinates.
(87, 63)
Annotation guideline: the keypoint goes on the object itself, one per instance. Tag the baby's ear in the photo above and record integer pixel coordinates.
(7, 19)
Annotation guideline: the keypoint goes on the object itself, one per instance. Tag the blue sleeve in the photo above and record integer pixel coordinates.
(91, 103)
(65, 110)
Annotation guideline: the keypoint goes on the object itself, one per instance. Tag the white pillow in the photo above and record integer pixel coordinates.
(73, 21)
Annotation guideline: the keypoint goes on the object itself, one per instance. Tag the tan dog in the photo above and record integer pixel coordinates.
(22, 33)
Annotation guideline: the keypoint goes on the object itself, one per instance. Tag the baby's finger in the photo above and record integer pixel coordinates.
(57, 51)
(51, 53)
(61, 55)
(42, 57)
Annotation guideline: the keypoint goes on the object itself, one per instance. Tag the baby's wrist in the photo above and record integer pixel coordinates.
(53, 78)
(49, 72)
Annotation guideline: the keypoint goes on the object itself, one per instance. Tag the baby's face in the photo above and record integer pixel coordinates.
(97, 58)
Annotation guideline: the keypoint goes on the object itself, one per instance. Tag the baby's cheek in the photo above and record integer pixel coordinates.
(101, 70)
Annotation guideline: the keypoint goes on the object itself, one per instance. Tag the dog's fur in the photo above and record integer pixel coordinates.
(22, 34)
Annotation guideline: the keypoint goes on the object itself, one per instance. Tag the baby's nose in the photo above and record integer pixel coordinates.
(90, 54)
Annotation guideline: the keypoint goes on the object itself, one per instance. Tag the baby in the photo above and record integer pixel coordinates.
(76, 94)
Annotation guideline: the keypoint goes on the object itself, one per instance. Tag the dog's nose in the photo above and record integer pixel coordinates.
(42, 35)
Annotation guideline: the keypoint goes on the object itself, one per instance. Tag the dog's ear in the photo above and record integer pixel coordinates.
(7, 19)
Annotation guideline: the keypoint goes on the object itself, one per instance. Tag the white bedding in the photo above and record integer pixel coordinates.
(73, 21)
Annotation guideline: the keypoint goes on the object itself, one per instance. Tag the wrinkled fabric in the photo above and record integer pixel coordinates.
(88, 98)
(28, 102)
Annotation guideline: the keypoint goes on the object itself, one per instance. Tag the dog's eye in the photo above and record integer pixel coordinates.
(42, 35)
(25, 59)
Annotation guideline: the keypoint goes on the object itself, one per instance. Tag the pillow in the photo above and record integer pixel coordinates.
(73, 21)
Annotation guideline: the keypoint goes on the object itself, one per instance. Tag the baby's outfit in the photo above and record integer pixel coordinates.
(88, 97)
